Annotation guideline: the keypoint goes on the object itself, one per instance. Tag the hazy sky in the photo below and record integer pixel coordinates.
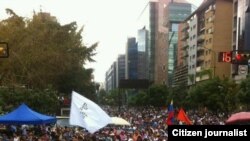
(108, 22)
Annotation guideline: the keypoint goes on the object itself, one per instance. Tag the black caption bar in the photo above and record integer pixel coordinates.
(208, 132)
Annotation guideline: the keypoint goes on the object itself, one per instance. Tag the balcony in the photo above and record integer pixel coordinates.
(200, 59)
(211, 20)
(185, 27)
(185, 45)
(201, 38)
(184, 55)
(200, 49)
(201, 28)
(210, 11)
(185, 35)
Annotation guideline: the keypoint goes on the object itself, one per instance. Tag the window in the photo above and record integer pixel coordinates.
(164, 82)
(210, 40)
(210, 31)
(174, 27)
(163, 67)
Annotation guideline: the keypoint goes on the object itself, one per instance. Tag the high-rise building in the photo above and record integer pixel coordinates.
(181, 70)
(131, 59)
(148, 20)
(152, 18)
(142, 44)
(175, 14)
(205, 33)
(120, 67)
(110, 78)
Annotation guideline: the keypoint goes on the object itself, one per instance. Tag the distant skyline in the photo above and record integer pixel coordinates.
(108, 22)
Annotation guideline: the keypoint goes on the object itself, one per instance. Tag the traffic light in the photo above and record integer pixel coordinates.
(238, 57)
(241, 58)
(4, 50)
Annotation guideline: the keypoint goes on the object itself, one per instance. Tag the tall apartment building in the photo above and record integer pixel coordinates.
(181, 69)
(131, 59)
(206, 32)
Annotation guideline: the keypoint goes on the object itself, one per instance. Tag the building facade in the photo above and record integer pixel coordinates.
(152, 18)
(121, 67)
(131, 59)
(142, 43)
(208, 32)
(110, 78)
(175, 14)
(240, 34)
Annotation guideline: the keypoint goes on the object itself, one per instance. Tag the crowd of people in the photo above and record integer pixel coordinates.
(147, 124)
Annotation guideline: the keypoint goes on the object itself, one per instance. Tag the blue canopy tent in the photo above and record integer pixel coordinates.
(24, 115)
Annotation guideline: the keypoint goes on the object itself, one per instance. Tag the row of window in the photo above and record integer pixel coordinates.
(206, 64)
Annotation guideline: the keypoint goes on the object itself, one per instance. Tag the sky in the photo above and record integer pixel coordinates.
(108, 22)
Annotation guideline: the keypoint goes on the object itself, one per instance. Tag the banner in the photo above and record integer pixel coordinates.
(87, 114)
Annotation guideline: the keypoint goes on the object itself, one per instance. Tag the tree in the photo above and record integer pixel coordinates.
(179, 95)
(102, 97)
(157, 95)
(244, 94)
(215, 94)
(44, 101)
(45, 53)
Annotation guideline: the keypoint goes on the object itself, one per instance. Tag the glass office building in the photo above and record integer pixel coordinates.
(175, 13)
(131, 59)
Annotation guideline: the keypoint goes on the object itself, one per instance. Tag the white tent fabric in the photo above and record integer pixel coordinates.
(119, 121)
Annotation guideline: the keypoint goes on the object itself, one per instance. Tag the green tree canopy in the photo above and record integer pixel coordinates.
(244, 93)
(43, 52)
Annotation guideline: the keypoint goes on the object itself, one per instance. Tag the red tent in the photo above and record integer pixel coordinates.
(238, 118)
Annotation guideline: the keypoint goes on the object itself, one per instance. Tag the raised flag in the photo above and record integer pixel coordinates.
(183, 117)
(170, 118)
(87, 114)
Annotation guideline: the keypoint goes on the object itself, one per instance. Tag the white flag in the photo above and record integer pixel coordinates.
(85, 113)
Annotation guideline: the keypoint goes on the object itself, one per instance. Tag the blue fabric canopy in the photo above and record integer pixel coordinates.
(24, 115)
